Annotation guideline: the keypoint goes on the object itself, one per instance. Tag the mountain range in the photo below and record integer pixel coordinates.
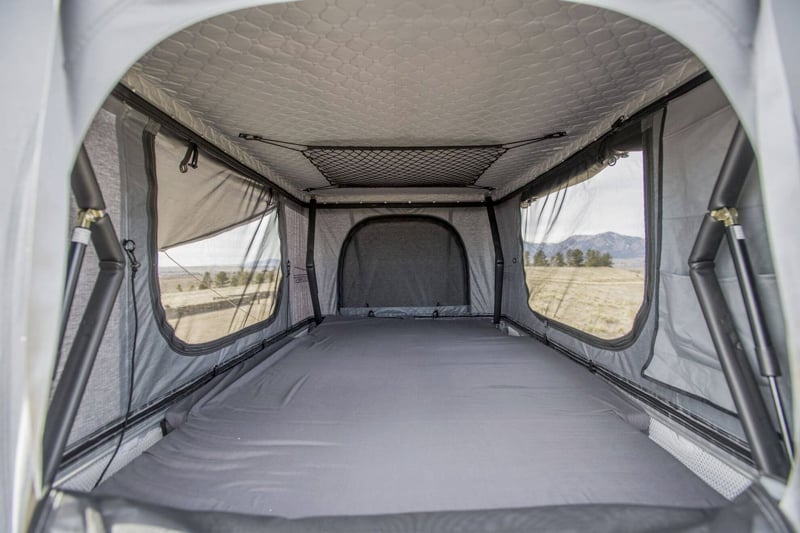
(619, 246)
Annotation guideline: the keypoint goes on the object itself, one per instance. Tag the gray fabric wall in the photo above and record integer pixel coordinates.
(159, 368)
(226, 198)
(296, 224)
(103, 398)
(472, 224)
(698, 129)
(683, 355)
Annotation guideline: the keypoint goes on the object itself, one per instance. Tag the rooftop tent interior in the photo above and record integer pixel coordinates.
(427, 266)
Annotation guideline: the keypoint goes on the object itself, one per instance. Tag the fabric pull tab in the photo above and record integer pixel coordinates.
(190, 159)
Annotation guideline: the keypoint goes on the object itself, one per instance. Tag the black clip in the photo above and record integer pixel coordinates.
(190, 159)
(130, 246)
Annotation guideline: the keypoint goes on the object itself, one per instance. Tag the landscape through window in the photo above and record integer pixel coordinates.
(217, 286)
(584, 250)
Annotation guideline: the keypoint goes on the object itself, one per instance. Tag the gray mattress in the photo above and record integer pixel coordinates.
(367, 416)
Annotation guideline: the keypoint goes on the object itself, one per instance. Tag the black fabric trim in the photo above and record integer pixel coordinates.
(178, 345)
(403, 218)
(87, 445)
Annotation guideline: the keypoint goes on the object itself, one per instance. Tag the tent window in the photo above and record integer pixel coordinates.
(584, 248)
(217, 286)
(218, 247)
(403, 261)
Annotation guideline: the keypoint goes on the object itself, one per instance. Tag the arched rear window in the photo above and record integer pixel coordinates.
(403, 261)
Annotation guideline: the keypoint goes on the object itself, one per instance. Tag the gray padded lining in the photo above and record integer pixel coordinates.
(365, 416)
(417, 73)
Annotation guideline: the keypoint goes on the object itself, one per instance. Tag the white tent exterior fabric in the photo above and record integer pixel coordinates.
(66, 58)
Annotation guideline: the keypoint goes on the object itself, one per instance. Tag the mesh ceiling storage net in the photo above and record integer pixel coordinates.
(403, 167)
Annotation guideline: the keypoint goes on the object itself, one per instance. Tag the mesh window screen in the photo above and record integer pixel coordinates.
(403, 167)
(219, 247)
(217, 286)
(405, 261)
(584, 250)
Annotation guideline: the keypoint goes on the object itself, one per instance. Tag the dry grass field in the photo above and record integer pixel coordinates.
(212, 325)
(200, 327)
(601, 301)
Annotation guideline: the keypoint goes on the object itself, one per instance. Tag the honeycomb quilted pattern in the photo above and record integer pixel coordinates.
(414, 73)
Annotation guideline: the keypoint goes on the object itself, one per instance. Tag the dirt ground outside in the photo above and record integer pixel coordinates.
(227, 317)
(601, 301)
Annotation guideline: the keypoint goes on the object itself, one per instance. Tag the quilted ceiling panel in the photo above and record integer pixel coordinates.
(415, 73)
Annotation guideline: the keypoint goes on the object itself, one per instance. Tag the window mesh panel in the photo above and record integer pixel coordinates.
(403, 167)
(585, 252)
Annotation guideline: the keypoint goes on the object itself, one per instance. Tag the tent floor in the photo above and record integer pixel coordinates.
(367, 416)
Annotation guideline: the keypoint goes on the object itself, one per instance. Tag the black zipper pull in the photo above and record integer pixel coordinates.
(190, 159)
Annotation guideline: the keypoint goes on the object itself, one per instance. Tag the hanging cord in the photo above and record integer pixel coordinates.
(302, 148)
(129, 246)
(274, 142)
(190, 159)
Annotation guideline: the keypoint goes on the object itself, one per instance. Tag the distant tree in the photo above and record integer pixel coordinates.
(606, 260)
(240, 278)
(575, 257)
(540, 259)
(179, 288)
(527, 257)
(206, 283)
(592, 258)
(258, 278)
(221, 278)
(269, 276)
(558, 260)
(192, 288)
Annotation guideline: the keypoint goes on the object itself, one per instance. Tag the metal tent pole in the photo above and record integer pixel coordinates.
(72, 384)
(499, 263)
(721, 209)
(311, 271)
(768, 453)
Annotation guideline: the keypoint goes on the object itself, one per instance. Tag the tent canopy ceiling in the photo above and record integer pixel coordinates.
(361, 73)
